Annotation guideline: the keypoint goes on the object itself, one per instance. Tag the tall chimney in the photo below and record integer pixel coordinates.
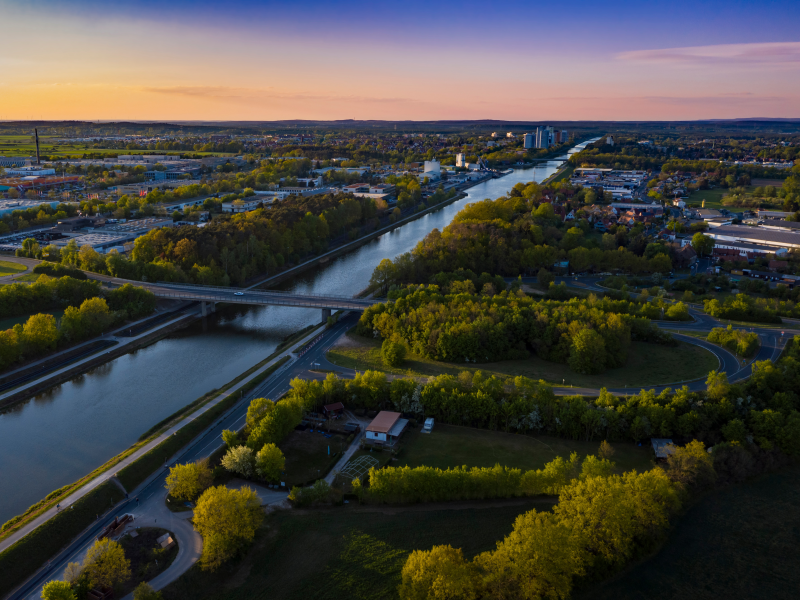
(36, 133)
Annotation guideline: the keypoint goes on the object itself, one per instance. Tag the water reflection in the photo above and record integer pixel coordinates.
(64, 433)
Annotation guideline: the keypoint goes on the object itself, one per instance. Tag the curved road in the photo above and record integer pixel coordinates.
(152, 494)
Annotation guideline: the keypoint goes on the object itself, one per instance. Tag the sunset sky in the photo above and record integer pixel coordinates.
(236, 60)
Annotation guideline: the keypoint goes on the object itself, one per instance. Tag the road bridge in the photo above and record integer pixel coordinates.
(208, 296)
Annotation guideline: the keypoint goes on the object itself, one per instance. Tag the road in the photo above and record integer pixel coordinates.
(152, 493)
(312, 363)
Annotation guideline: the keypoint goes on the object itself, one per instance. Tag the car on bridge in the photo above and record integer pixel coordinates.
(238, 293)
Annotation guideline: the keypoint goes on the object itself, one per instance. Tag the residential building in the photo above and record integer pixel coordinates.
(386, 428)
(461, 158)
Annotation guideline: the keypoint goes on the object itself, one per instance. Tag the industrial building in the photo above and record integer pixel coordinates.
(732, 236)
(9, 206)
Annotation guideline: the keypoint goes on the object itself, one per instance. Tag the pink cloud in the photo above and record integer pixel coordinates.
(780, 54)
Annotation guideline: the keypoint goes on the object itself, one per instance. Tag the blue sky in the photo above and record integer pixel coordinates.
(415, 60)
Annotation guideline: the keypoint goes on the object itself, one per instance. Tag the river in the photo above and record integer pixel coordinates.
(58, 436)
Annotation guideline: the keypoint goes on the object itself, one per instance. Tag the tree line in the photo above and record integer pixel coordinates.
(601, 522)
(231, 250)
(429, 484)
(86, 314)
(760, 412)
(590, 335)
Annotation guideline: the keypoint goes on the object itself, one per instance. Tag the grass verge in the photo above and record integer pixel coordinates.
(648, 364)
(9, 268)
(22, 559)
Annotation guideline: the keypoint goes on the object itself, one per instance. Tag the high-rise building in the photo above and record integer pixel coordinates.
(564, 136)
(529, 140)
(461, 160)
(542, 137)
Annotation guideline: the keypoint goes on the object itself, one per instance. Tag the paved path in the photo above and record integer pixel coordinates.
(351, 449)
(142, 451)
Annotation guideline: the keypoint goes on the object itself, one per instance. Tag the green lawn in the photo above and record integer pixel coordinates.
(714, 198)
(11, 321)
(347, 552)
(307, 457)
(739, 543)
(450, 446)
(9, 268)
(648, 364)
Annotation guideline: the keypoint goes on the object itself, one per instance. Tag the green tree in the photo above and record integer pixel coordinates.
(539, 559)
(383, 274)
(735, 431)
(187, 482)
(227, 519)
(144, 591)
(231, 439)
(106, 565)
(545, 278)
(691, 466)
(702, 244)
(270, 462)
(240, 460)
(587, 354)
(678, 312)
(717, 385)
(57, 590)
(441, 573)
(40, 333)
(392, 353)
(661, 263)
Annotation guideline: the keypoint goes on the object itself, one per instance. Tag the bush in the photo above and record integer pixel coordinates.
(393, 353)
(306, 496)
(58, 270)
(739, 342)
(135, 301)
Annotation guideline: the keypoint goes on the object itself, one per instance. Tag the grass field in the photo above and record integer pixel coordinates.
(739, 543)
(11, 321)
(714, 198)
(307, 457)
(348, 553)
(450, 446)
(23, 145)
(649, 364)
(9, 268)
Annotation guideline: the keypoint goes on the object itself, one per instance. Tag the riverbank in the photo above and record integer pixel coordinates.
(347, 247)
(68, 431)
(119, 348)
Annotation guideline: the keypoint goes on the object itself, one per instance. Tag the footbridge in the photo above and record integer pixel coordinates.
(208, 296)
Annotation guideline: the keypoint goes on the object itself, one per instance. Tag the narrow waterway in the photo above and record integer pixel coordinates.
(59, 436)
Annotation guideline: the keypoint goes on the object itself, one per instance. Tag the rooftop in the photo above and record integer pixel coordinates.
(384, 422)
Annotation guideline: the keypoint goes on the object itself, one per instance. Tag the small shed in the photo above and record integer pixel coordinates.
(386, 428)
(333, 411)
(662, 447)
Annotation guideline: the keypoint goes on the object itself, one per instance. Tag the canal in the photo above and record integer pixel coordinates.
(58, 436)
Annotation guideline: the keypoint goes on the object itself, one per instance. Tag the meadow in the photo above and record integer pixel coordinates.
(648, 364)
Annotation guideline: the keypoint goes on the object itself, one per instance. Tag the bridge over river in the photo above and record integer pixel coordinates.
(208, 296)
